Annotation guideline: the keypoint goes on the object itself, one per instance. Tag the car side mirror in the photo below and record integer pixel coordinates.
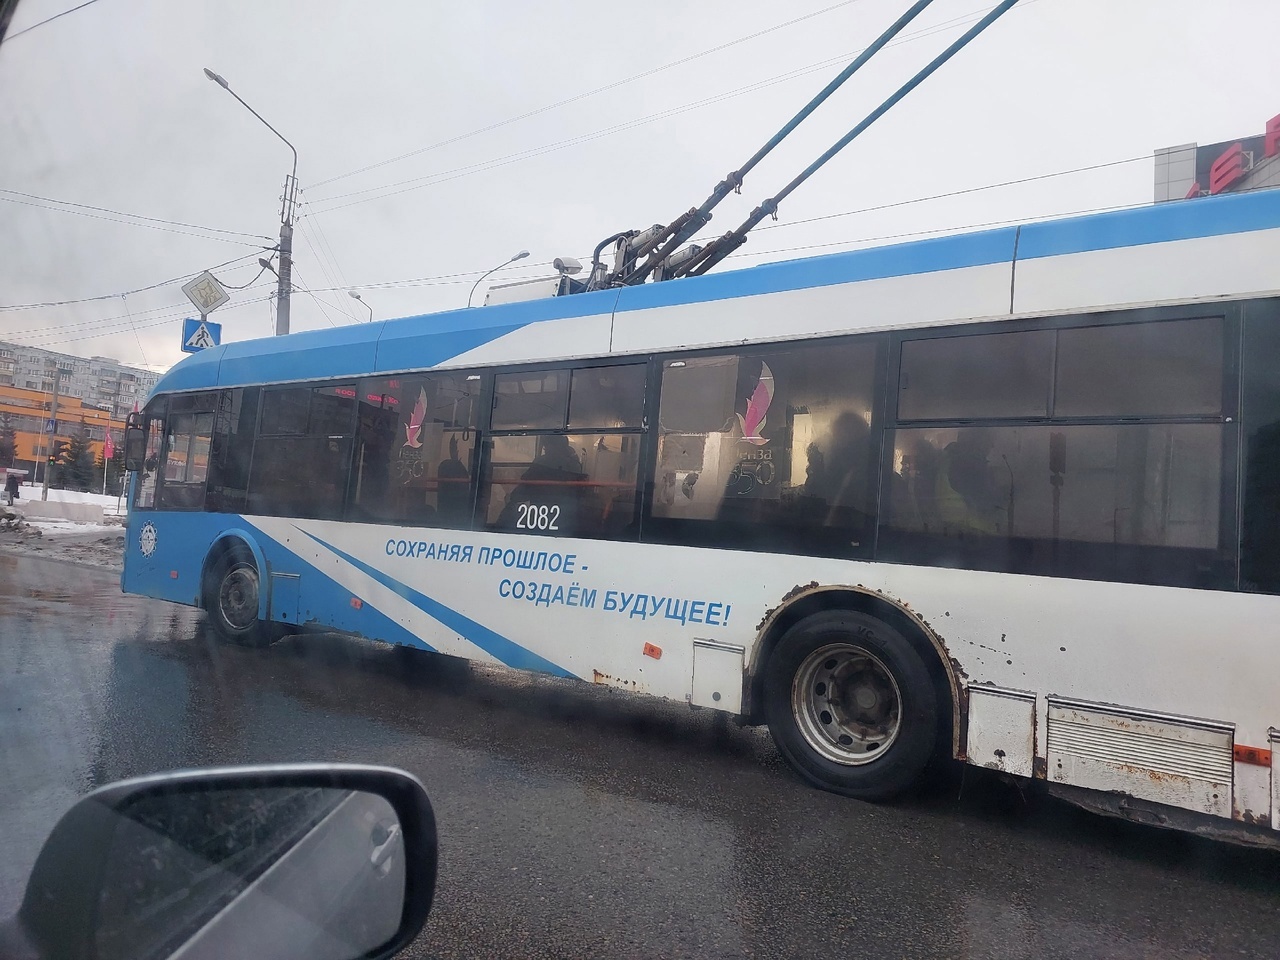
(135, 447)
(325, 861)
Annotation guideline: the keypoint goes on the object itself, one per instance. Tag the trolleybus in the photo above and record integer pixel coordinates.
(1013, 495)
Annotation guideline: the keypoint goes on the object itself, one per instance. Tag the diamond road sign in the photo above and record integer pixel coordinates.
(200, 334)
(206, 293)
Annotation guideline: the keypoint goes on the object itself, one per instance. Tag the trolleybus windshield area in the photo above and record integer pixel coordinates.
(888, 523)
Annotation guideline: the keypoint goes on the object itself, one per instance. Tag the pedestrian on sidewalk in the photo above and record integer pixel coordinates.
(11, 487)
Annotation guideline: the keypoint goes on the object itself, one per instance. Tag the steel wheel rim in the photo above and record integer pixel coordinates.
(238, 597)
(847, 704)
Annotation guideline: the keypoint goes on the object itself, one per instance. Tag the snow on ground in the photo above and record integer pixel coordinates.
(108, 503)
(95, 544)
(51, 527)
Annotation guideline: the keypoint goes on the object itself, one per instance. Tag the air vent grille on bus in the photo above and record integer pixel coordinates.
(1182, 761)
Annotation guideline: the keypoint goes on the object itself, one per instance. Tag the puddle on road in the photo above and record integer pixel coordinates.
(40, 588)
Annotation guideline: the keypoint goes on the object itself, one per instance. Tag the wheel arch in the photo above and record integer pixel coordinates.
(947, 675)
(225, 543)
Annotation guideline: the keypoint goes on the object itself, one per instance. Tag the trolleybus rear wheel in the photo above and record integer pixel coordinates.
(850, 705)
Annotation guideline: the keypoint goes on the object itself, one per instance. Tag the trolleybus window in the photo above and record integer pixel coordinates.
(188, 433)
(607, 397)
(988, 375)
(187, 460)
(1111, 500)
(1260, 533)
(149, 477)
(303, 452)
(530, 401)
(416, 448)
(232, 453)
(772, 449)
(1140, 369)
(550, 481)
(284, 412)
(1141, 484)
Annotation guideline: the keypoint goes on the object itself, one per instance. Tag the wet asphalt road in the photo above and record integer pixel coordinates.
(576, 821)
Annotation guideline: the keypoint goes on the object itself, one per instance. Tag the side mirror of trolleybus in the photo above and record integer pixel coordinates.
(305, 860)
(135, 443)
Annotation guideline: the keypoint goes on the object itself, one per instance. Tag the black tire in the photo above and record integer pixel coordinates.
(850, 705)
(231, 600)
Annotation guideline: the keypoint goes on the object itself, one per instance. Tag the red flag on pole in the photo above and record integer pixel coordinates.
(108, 448)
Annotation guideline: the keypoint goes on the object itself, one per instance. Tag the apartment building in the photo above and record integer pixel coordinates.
(99, 382)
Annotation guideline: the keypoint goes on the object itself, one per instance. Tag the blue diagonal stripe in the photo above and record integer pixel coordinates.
(504, 650)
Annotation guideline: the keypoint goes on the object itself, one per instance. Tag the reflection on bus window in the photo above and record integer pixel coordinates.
(771, 445)
(1118, 370)
(151, 464)
(1260, 515)
(1142, 484)
(1140, 369)
(987, 375)
(1125, 499)
(186, 459)
(573, 467)
(415, 450)
(302, 455)
(607, 397)
(284, 412)
(232, 453)
(580, 485)
(187, 446)
(530, 401)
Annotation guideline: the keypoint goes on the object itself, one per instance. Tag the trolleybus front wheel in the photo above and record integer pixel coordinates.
(231, 600)
(850, 705)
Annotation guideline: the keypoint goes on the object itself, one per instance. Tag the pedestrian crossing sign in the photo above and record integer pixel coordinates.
(200, 334)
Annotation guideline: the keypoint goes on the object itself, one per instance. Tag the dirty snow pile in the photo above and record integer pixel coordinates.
(51, 527)
(96, 544)
(111, 506)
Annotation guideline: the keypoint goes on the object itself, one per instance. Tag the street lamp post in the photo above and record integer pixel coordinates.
(519, 256)
(283, 276)
(355, 295)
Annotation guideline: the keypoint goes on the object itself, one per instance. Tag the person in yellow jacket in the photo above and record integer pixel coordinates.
(967, 495)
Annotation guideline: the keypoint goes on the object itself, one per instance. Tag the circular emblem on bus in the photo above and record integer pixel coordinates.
(147, 538)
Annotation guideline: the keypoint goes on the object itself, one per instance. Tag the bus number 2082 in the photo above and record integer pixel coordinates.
(533, 516)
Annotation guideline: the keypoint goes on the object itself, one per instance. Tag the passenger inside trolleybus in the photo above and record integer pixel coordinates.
(453, 501)
(554, 479)
(967, 496)
(837, 481)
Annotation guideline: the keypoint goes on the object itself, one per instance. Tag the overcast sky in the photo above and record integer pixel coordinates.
(108, 107)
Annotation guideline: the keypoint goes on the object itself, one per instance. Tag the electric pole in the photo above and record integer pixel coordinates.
(284, 276)
(53, 434)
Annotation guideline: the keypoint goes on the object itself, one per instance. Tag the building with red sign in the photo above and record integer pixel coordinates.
(1233, 166)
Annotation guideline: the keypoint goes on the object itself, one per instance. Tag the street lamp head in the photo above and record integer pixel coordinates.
(219, 80)
(266, 264)
(355, 295)
(519, 256)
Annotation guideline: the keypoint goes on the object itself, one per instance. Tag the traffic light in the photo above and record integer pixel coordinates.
(55, 453)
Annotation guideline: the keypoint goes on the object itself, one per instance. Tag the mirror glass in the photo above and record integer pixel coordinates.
(135, 448)
(263, 872)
